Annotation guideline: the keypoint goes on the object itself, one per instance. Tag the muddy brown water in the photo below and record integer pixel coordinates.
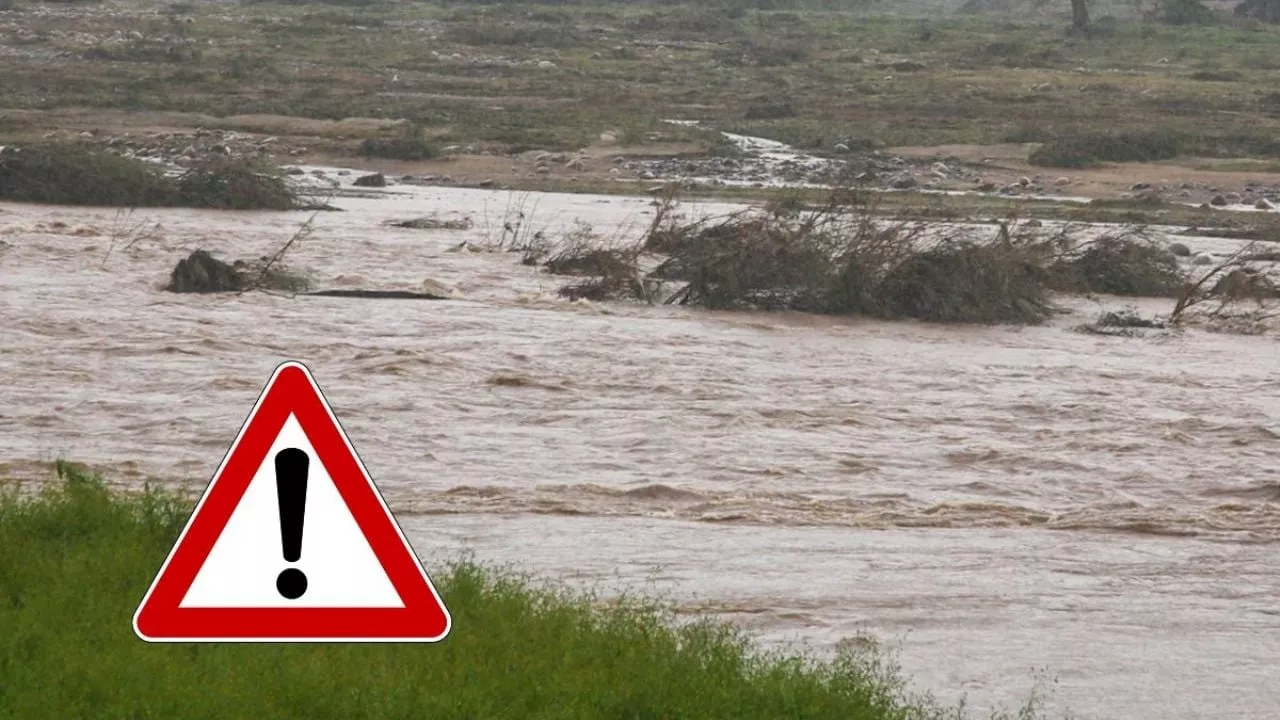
(999, 506)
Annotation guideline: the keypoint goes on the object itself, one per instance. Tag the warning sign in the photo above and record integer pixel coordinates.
(291, 542)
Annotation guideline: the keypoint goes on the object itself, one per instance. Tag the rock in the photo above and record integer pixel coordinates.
(1141, 186)
(841, 148)
(374, 180)
(1024, 181)
(1062, 181)
(546, 64)
(200, 272)
(1218, 201)
(987, 187)
(904, 183)
(1180, 249)
(1033, 224)
(1265, 204)
(1202, 259)
(487, 182)
(608, 138)
(576, 164)
(296, 171)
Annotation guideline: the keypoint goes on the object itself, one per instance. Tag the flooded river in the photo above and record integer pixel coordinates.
(999, 504)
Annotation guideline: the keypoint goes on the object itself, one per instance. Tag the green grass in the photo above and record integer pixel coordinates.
(76, 559)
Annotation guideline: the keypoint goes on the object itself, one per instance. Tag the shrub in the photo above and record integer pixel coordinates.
(970, 283)
(840, 260)
(1117, 265)
(73, 174)
(233, 185)
(410, 145)
(614, 271)
(769, 110)
(1084, 150)
(1185, 12)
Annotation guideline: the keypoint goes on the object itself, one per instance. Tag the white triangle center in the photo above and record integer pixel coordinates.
(341, 568)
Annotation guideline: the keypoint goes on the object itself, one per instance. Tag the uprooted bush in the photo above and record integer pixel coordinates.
(1120, 264)
(70, 174)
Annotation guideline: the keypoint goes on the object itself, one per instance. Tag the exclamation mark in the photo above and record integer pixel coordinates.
(291, 492)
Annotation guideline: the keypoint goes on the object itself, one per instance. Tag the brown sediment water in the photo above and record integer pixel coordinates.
(989, 500)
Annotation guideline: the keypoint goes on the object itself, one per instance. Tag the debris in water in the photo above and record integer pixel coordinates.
(200, 272)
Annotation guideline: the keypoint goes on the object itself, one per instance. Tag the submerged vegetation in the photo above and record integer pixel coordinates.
(71, 174)
(76, 558)
(844, 258)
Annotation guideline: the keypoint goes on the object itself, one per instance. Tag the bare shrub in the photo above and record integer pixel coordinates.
(1217, 294)
(614, 268)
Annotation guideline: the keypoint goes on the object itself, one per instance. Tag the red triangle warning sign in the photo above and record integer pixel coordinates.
(291, 541)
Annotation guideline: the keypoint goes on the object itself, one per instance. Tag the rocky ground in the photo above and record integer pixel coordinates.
(753, 163)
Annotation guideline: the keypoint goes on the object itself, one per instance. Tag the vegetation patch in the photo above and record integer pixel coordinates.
(76, 558)
(1086, 150)
(1120, 265)
(840, 258)
(228, 184)
(1092, 149)
(411, 145)
(71, 174)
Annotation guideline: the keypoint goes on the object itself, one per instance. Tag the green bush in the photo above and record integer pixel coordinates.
(75, 174)
(410, 145)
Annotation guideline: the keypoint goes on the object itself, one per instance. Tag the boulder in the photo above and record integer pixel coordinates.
(200, 272)
(374, 180)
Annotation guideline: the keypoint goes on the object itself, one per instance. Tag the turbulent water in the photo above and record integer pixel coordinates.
(1001, 504)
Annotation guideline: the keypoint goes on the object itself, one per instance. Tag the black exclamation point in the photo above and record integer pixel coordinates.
(291, 491)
